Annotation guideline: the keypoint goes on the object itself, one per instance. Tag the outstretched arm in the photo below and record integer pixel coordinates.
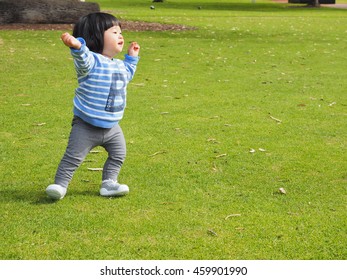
(70, 41)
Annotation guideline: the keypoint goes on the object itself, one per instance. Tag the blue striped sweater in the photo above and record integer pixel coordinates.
(100, 98)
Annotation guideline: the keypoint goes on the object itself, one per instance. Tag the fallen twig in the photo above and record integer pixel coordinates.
(95, 152)
(157, 153)
(210, 231)
(222, 155)
(232, 215)
(275, 119)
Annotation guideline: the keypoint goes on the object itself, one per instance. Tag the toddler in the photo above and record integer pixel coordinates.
(99, 100)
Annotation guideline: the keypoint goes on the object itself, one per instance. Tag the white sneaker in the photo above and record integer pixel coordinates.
(112, 188)
(55, 191)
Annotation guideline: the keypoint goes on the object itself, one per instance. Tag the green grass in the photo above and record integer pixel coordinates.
(200, 101)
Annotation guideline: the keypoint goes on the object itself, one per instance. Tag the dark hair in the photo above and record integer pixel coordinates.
(92, 27)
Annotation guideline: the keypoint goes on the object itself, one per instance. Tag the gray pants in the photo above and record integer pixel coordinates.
(83, 138)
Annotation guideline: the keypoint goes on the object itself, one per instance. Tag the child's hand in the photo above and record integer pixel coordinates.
(70, 41)
(134, 49)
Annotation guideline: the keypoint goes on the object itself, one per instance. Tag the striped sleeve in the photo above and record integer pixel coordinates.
(130, 63)
(83, 59)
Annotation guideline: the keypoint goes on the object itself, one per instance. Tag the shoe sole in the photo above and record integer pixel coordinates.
(54, 194)
(105, 192)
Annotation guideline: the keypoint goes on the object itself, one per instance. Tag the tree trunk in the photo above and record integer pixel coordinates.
(44, 11)
(316, 3)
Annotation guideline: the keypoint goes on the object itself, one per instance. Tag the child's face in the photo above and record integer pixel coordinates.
(113, 41)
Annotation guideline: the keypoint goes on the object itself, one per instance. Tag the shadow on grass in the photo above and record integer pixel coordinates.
(39, 197)
(72, 194)
(33, 197)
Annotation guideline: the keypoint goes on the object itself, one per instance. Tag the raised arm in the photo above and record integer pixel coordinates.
(83, 58)
(134, 49)
(70, 41)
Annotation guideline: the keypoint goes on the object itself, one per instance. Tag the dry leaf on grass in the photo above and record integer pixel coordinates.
(332, 104)
(282, 191)
(212, 140)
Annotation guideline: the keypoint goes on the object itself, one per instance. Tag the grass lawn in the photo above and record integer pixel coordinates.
(218, 120)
